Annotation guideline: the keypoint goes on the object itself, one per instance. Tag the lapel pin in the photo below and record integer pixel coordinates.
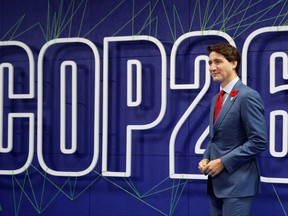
(233, 94)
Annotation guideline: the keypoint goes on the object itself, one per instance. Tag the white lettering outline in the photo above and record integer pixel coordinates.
(40, 107)
(284, 57)
(11, 116)
(138, 100)
(63, 147)
(196, 85)
(129, 128)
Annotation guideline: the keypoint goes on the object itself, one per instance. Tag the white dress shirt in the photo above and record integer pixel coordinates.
(229, 87)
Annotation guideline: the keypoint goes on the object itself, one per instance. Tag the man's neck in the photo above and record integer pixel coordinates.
(224, 83)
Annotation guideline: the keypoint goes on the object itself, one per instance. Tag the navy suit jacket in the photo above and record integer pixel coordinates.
(237, 137)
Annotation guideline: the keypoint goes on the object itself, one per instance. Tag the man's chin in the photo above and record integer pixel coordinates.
(217, 79)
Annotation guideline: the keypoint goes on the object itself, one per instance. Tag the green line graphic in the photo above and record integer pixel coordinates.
(280, 202)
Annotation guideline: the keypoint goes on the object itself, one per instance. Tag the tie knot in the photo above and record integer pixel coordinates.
(222, 92)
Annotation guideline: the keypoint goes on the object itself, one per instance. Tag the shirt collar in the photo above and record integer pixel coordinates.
(228, 88)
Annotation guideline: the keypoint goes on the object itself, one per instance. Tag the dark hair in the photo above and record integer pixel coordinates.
(228, 51)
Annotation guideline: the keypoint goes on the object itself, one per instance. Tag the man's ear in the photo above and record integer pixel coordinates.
(234, 64)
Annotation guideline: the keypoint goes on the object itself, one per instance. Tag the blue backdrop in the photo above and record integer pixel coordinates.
(86, 131)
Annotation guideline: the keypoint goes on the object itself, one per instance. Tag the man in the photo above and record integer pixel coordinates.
(236, 137)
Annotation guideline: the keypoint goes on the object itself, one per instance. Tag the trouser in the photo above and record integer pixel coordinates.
(230, 206)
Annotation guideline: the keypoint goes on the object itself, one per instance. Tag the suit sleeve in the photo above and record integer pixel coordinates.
(253, 119)
(206, 154)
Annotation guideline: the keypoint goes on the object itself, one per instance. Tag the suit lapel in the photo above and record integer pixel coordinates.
(225, 109)
(212, 115)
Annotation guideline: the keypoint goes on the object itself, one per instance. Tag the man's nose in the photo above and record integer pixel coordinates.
(212, 67)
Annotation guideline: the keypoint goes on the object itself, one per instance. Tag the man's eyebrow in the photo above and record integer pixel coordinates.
(216, 59)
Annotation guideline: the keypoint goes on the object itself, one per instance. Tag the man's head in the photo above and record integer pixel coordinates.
(224, 62)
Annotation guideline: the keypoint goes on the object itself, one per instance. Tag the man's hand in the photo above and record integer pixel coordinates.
(211, 168)
(202, 164)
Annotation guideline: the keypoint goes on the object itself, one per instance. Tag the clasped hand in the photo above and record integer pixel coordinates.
(212, 168)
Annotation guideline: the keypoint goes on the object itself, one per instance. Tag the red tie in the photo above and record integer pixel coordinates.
(218, 104)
